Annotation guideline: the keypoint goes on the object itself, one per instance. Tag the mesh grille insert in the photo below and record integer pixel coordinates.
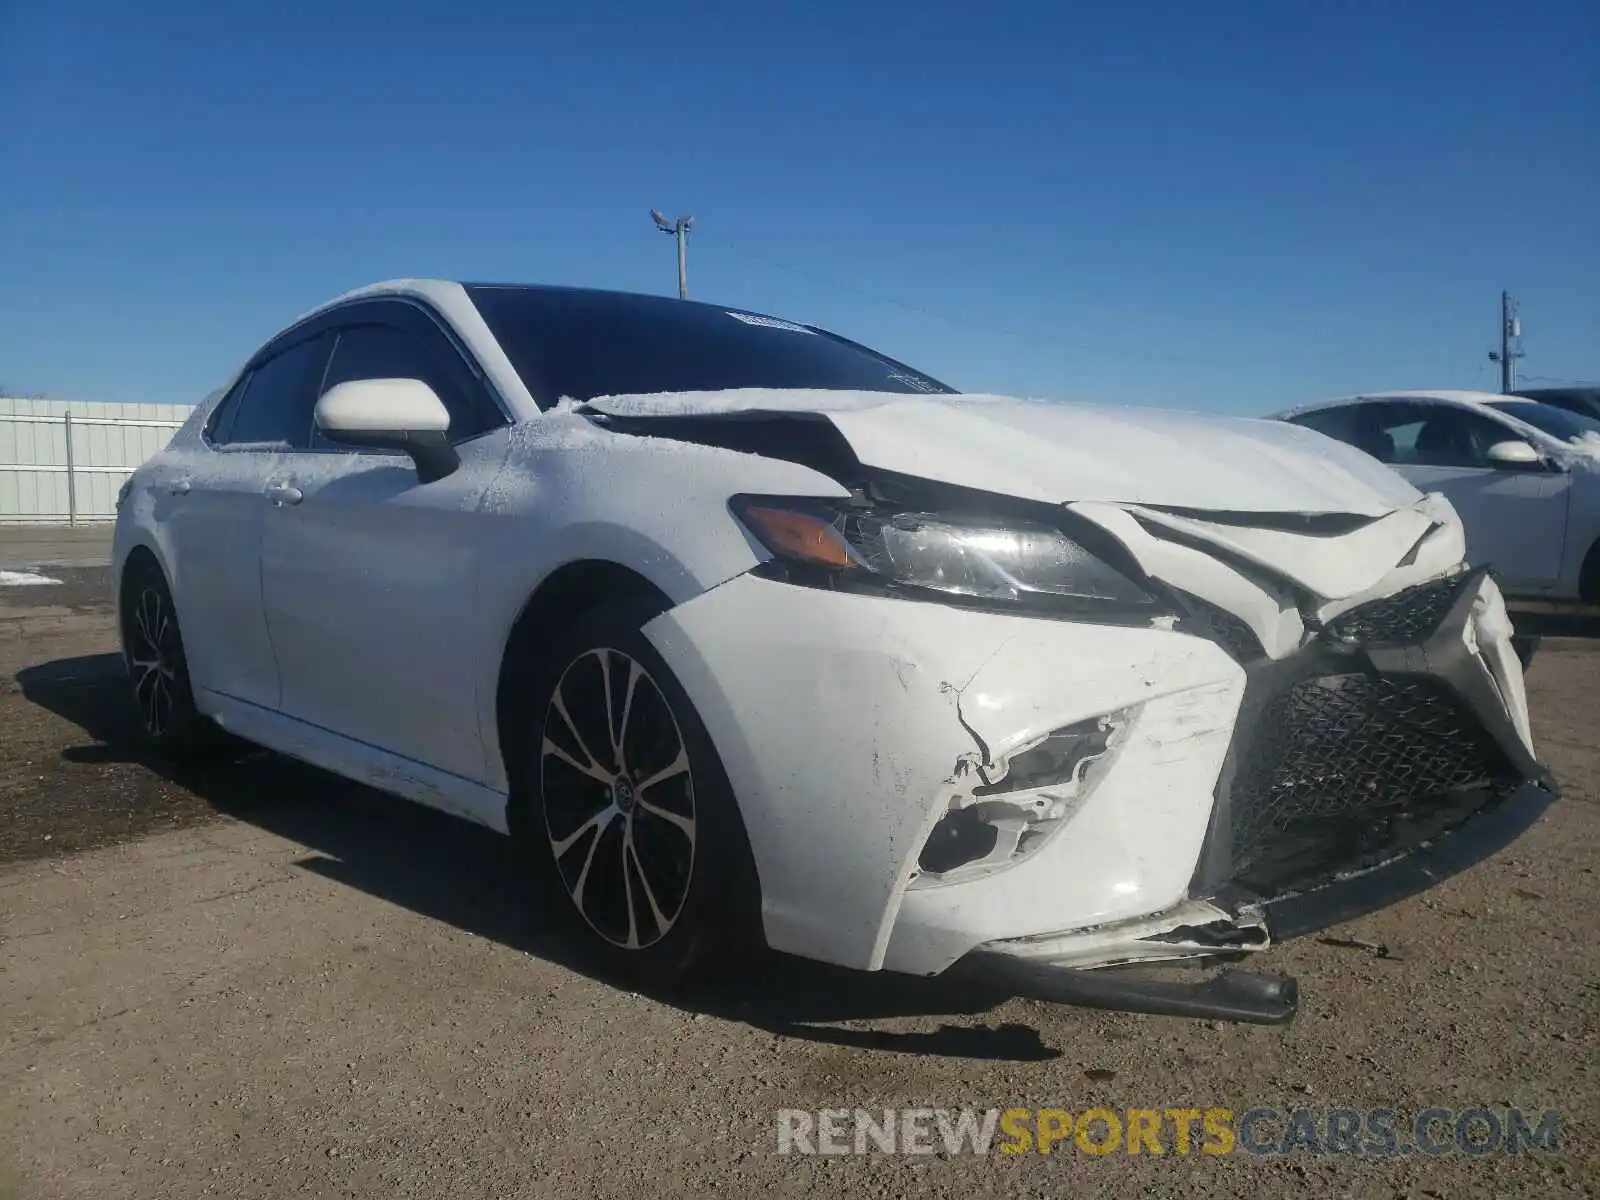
(1407, 616)
(1345, 766)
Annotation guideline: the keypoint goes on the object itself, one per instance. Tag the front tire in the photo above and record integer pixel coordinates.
(152, 650)
(621, 808)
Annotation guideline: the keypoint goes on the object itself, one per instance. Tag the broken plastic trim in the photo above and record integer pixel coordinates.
(1016, 809)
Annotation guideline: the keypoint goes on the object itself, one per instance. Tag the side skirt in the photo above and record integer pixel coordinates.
(358, 761)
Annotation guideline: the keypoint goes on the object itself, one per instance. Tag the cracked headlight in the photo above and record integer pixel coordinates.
(838, 544)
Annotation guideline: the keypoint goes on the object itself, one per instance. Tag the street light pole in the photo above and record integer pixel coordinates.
(679, 229)
(1510, 340)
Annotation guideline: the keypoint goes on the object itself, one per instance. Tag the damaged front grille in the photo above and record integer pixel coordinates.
(1341, 770)
(1407, 616)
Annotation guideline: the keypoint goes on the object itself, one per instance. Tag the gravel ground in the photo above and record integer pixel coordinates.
(259, 980)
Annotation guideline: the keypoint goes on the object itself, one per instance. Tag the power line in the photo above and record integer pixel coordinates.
(1558, 379)
(965, 321)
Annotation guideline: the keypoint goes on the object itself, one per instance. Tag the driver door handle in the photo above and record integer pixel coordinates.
(284, 493)
(178, 487)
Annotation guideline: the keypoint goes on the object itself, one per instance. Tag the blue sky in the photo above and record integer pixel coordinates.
(1228, 206)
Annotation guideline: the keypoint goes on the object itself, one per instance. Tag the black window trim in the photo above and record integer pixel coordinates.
(343, 315)
(226, 407)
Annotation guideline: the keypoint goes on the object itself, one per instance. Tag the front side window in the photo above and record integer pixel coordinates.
(274, 409)
(1434, 435)
(575, 344)
(383, 351)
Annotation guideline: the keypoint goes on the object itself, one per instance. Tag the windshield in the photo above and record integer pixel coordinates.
(1557, 422)
(579, 344)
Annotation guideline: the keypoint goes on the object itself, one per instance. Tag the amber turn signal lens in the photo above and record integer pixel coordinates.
(799, 535)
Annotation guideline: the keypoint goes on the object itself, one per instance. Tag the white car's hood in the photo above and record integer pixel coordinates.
(1064, 452)
(1212, 505)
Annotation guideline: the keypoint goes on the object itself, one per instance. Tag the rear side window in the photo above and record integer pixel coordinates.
(222, 416)
(413, 350)
(275, 405)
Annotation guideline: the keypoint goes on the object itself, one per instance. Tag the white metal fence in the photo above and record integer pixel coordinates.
(63, 461)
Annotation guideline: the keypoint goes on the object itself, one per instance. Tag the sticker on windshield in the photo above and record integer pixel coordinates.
(915, 382)
(768, 322)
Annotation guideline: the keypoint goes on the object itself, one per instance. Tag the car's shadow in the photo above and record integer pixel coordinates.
(1564, 622)
(465, 876)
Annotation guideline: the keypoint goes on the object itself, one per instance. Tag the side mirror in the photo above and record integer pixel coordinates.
(391, 414)
(1515, 455)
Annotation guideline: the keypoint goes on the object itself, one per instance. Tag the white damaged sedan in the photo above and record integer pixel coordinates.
(748, 634)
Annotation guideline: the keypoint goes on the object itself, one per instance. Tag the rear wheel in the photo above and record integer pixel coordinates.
(621, 806)
(152, 648)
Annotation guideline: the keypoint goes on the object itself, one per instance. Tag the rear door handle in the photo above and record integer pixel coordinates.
(284, 493)
(179, 487)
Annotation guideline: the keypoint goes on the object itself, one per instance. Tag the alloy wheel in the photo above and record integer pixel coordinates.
(153, 658)
(619, 801)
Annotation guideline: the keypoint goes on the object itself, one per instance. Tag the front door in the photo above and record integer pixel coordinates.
(368, 575)
(1515, 517)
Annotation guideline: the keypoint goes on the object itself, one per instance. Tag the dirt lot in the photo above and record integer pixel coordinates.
(260, 980)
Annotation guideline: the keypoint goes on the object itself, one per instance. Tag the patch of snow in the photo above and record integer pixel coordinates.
(769, 322)
(24, 579)
(741, 400)
(819, 400)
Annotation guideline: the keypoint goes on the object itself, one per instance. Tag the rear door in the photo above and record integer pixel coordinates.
(1515, 517)
(368, 575)
(214, 507)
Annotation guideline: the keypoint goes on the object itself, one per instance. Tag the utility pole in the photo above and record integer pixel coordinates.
(1510, 343)
(679, 229)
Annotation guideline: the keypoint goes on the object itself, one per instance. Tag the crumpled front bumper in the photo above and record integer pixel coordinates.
(850, 724)
(1234, 914)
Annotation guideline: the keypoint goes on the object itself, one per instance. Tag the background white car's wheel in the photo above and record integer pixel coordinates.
(158, 669)
(622, 806)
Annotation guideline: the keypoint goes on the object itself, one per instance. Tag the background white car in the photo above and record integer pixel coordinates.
(743, 631)
(1524, 476)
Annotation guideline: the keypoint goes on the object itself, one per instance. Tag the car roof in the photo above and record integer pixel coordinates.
(443, 292)
(1441, 395)
(1565, 393)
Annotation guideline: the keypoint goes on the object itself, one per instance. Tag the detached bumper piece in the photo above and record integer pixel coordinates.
(1232, 995)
